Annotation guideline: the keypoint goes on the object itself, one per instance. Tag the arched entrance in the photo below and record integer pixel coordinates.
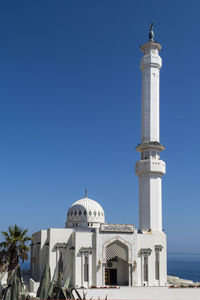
(116, 267)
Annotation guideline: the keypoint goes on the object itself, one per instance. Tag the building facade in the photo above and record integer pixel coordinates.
(90, 252)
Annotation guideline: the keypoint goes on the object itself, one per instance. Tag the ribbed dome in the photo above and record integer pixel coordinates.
(84, 211)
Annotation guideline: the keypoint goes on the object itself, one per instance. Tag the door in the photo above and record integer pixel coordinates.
(111, 276)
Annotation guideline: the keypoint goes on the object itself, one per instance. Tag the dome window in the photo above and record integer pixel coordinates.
(95, 213)
(80, 213)
(75, 212)
(90, 213)
(85, 213)
(71, 212)
(99, 214)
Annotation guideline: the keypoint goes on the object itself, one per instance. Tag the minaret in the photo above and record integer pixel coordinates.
(150, 168)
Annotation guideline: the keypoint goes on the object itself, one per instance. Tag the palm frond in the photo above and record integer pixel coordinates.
(11, 231)
(24, 232)
(5, 234)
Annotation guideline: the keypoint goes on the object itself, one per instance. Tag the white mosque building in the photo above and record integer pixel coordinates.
(92, 253)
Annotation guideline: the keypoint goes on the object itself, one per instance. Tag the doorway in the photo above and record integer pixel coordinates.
(117, 267)
(111, 276)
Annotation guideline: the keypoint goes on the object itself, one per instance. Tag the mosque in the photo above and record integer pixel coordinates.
(92, 253)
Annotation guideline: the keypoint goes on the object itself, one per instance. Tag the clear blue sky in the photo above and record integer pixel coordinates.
(70, 100)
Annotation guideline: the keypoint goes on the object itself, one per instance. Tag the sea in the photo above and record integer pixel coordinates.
(186, 266)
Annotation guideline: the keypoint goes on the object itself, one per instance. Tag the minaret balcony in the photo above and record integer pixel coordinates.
(147, 166)
(148, 145)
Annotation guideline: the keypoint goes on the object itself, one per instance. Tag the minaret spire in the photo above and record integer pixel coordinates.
(150, 168)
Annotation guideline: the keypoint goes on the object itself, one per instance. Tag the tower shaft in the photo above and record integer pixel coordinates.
(150, 65)
(150, 168)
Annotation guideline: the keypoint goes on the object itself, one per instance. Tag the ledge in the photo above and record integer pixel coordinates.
(150, 145)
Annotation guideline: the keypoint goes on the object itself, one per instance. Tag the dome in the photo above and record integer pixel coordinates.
(85, 211)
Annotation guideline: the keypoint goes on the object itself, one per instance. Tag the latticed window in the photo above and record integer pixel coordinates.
(117, 249)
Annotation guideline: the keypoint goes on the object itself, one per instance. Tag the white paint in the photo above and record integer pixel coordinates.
(33, 286)
(150, 168)
(75, 244)
(151, 64)
(85, 212)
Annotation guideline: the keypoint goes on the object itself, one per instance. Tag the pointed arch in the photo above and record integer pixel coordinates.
(119, 240)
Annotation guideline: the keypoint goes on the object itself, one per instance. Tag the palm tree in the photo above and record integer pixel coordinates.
(13, 248)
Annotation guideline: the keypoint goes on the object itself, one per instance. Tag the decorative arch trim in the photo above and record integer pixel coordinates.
(117, 239)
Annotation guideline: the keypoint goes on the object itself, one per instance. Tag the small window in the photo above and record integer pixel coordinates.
(145, 268)
(157, 266)
(86, 277)
(90, 213)
(85, 213)
(80, 213)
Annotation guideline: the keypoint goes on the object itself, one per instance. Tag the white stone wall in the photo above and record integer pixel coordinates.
(150, 191)
(149, 241)
(84, 240)
(150, 64)
(38, 254)
(150, 168)
(94, 243)
(57, 235)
